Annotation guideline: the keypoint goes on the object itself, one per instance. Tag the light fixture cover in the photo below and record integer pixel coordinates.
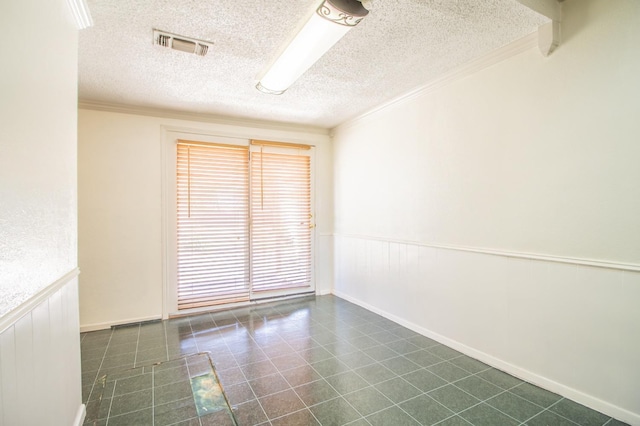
(328, 23)
(81, 14)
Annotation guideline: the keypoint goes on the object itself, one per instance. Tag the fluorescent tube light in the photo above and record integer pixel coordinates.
(81, 14)
(330, 21)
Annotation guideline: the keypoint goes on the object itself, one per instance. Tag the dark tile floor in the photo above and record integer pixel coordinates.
(312, 361)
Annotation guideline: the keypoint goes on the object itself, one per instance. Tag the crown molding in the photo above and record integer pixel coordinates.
(200, 117)
(505, 52)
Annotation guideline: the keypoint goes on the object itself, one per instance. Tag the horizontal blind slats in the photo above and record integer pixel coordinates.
(213, 228)
(280, 220)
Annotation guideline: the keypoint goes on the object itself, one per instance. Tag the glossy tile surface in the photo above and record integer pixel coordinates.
(312, 361)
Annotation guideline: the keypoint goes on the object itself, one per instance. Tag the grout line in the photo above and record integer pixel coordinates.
(113, 393)
(153, 394)
(135, 358)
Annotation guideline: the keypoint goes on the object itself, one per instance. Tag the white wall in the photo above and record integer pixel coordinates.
(120, 209)
(40, 362)
(38, 136)
(534, 158)
(39, 330)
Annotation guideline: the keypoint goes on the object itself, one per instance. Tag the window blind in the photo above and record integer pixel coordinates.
(212, 224)
(281, 219)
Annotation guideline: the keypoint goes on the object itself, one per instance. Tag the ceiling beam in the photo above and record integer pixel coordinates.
(549, 33)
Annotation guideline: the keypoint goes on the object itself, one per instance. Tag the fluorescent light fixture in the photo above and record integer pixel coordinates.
(81, 14)
(328, 23)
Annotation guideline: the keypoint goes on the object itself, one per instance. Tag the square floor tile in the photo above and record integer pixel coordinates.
(400, 365)
(316, 392)
(514, 406)
(423, 358)
(335, 412)
(535, 394)
(392, 416)
(485, 415)
(579, 413)
(347, 382)
(426, 410)
(453, 398)
(375, 373)
(448, 371)
(130, 402)
(547, 418)
(424, 380)
(300, 375)
(281, 403)
(269, 384)
(173, 412)
(469, 364)
(499, 378)
(368, 400)
(299, 418)
(478, 387)
(398, 390)
(249, 414)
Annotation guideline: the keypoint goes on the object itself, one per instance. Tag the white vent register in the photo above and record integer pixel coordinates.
(181, 43)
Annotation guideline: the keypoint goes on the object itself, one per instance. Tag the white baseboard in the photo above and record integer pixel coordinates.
(107, 325)
(82, 412)
(543, 382)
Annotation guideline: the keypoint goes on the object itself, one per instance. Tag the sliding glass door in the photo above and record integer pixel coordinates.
(244, 222)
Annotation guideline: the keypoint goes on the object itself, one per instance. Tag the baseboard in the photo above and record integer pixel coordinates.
(107, 325)
(543, 382)
(82, 412)
(324, 292)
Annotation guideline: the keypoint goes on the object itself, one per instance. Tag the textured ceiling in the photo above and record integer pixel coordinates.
(399, 46)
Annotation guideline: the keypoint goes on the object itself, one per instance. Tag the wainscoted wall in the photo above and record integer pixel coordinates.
(40, 359)
(568, 327)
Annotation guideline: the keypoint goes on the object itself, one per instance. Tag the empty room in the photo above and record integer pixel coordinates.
(320, 212)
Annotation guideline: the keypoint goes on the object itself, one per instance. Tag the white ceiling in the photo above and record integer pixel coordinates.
(399, 46)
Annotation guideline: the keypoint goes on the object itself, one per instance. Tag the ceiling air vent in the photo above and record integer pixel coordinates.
(181, 43)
